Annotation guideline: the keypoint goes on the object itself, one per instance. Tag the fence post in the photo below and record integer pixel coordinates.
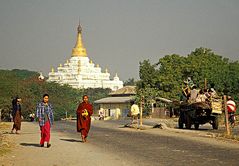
(141, 110)
(0, 115)
(226, 115)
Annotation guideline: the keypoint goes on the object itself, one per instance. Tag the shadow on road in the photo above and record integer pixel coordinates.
(200, 129)
(70, 140)
(21, 133)
(30, 144)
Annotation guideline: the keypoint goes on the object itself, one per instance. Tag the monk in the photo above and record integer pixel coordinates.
(84, 111)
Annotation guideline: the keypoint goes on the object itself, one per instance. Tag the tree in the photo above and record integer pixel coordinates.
(171, 75)
(165, 78)
(148, 84)
(203, 63)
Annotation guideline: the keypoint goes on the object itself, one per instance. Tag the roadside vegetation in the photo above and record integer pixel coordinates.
(231, 136)
(5, 142)
(30, 89)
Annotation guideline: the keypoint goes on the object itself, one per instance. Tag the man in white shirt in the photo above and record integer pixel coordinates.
(134, 113)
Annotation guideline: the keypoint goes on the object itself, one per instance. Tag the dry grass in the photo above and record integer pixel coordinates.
(5, 141)
(230, 136)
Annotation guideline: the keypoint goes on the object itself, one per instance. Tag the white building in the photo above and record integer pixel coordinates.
(80, 72)
(118, 103)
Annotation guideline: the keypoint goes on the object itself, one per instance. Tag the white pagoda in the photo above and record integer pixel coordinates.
(80, 72)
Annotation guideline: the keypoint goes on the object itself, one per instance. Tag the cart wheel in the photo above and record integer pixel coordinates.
(196, 126)
(180, 122)
(188, 122)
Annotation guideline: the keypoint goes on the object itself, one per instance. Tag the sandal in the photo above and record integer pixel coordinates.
(48, 145)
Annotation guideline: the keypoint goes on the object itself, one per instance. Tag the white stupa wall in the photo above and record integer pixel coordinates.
(80, 73)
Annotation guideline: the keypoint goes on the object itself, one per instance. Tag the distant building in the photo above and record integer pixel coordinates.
(80, 72)
(118, 103)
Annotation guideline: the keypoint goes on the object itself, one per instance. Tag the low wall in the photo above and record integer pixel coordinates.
(160, 113)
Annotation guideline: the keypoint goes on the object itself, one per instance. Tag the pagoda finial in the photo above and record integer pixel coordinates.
(79, 27)
(116, 78)
(79, 50)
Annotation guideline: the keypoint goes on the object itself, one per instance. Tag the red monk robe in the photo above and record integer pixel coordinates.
(84, 111)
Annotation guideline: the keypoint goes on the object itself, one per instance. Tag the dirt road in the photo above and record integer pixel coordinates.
(109, 144)
(64, 151)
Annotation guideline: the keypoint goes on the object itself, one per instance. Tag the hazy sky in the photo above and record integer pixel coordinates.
(40, 34)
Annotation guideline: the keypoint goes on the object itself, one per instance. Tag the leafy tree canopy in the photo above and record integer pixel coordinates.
(165, 77)
(26, 85)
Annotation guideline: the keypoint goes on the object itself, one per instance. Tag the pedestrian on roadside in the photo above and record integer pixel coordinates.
(16, 115)
(84, 112)
(101, 114)
(32, 117)
(134, 112)
(44, 113)
(231, 105)
(10, 116)
(231, 108)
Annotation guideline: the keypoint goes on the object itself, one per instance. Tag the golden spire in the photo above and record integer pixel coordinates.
(79, 50)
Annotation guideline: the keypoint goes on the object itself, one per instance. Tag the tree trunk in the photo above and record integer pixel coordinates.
(0, 115)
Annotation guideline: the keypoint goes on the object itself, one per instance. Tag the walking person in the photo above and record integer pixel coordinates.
(231, 108)
(16, 115)
(134, 113)
(84, 112)
(44, 113)
(101, 114)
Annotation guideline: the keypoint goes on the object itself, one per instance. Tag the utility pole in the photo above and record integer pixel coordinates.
(141, 110)
(226, 115)
(205, 83)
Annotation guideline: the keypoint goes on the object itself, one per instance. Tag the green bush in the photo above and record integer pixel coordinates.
(26, 85)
